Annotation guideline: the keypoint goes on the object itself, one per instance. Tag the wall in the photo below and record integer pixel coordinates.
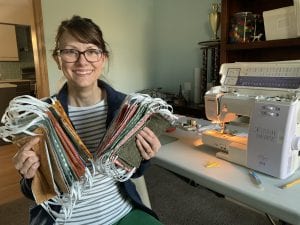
(179, 26)
(153, 42)
(127, 27)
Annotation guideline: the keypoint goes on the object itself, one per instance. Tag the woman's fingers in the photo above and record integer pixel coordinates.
(26, 161)
(148, 143)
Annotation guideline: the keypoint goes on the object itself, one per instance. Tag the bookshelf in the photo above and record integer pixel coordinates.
(273, 50)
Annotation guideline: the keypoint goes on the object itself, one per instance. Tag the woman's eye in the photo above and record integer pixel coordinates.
(70, 51)
(92, 52)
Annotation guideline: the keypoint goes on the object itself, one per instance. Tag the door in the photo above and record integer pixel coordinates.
(39, 51)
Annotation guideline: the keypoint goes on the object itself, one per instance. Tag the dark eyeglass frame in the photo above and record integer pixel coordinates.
(60, 52)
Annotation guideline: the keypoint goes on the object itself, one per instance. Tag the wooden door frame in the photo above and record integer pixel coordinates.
(39, 51)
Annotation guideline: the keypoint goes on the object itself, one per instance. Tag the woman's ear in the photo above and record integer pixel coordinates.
(58, 62)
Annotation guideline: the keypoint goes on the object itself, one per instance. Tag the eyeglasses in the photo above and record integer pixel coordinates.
(72, 55)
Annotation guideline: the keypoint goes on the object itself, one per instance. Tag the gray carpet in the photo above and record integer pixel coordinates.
(178, 203)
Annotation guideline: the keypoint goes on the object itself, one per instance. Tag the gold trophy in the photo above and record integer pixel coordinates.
(214, 20)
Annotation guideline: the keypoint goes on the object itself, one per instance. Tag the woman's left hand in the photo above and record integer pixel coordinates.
(148, 143)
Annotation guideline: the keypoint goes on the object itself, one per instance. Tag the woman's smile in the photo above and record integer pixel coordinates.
(83, 72)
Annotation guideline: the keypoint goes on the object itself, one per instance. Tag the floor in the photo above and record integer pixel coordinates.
(9, 177)
(179, 201)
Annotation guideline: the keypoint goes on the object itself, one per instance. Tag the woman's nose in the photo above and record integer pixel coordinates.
(82, 59)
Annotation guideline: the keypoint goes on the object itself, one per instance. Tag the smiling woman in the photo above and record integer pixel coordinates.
(81, 64)
(91, 105)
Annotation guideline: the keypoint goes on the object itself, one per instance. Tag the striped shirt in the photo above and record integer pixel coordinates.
(103, 203)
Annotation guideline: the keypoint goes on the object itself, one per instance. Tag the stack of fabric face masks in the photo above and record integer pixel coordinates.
(63, 173)
(63, 156)
(118, 148)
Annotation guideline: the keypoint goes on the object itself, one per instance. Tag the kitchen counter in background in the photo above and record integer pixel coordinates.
(7, 85)
(23, 86)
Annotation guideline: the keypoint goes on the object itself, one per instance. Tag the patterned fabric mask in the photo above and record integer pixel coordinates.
(118, 147)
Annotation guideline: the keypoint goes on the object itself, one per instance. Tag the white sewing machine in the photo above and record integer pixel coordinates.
(267, 95)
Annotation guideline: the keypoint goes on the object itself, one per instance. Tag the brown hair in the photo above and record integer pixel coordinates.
(84, 30)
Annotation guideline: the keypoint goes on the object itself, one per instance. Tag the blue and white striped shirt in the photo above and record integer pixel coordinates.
(103, 203)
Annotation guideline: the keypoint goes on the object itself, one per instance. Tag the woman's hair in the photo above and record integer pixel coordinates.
(82, 29)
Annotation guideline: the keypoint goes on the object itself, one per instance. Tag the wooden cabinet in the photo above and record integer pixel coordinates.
(7, 93)
(23, 87)
(275, 50)
(8, 43)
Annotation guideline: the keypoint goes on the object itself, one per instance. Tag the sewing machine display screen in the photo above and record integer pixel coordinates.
(262, 76)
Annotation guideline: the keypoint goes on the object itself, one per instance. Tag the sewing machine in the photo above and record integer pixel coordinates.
(257, 105)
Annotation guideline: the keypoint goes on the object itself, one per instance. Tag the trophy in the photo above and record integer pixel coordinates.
(214, 20)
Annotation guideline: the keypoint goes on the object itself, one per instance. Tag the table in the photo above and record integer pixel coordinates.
(187, 156)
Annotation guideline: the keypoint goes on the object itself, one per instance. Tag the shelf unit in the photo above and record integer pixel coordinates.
(275, 50)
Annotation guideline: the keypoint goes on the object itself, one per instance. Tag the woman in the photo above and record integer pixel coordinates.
(91, 104)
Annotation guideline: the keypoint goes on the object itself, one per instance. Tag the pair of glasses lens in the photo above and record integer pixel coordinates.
(72, 55)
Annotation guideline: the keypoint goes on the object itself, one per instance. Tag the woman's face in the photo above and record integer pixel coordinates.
(82, 73)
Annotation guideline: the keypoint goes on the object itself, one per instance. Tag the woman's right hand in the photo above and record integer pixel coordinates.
(26, 161)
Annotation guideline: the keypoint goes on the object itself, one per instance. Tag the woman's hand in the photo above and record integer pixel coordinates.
(148, 143)
(26, 161)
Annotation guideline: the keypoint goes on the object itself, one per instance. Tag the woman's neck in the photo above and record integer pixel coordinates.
(85, 97)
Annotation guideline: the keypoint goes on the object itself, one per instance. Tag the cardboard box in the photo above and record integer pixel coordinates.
(280, 23)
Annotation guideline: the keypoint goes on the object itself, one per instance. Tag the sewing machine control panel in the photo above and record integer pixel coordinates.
(261, 75)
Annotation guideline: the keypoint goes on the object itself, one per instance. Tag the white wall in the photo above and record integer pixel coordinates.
(179, 26)
(127, 28)
(153, 42)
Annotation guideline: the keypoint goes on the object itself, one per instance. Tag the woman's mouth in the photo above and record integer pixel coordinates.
(82, 72)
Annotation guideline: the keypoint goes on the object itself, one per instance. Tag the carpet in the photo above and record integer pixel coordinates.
(177, 202)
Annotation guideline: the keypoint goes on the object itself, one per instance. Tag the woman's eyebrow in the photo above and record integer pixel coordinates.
(76, 47)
